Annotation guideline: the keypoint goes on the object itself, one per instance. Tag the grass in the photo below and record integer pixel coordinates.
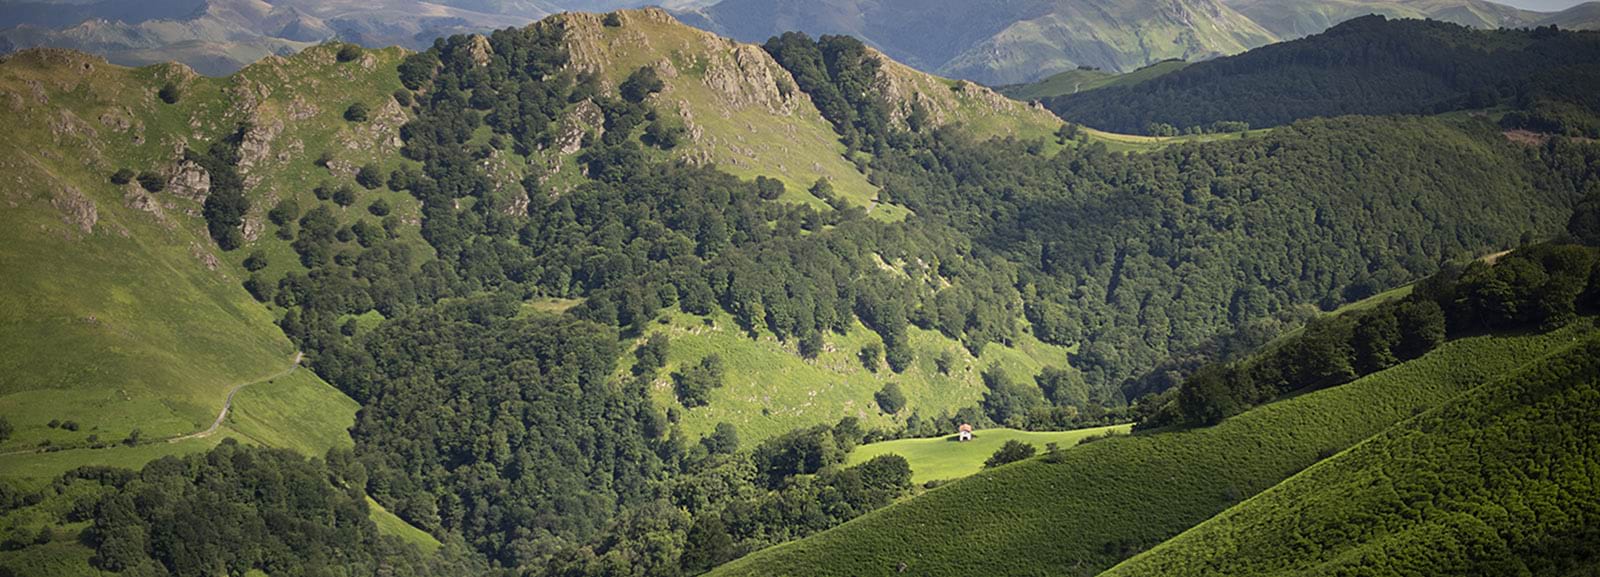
(1117, 142)
(390, 524)
(1076, 81)
(299, 411)
(744, 126)
(1479, 481)
(770, 389)
(1105, 501)
(944, 458)
(124, 321)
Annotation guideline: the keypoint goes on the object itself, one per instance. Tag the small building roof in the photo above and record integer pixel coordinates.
(965, 428)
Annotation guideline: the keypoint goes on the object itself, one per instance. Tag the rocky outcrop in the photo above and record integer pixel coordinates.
(76, 209)
(190, 181)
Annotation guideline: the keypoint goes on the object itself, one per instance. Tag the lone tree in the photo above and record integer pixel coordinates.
(349, 52)
(1010, 452)
(890, 399)
(169, 93)
(356, 113)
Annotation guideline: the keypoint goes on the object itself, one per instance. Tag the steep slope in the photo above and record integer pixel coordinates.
(1003, 42)
(1499, 481)
(1369, 65)
(738, 106)
(1099, 504)
(120, 312)
(218, 37)
(1296, 18)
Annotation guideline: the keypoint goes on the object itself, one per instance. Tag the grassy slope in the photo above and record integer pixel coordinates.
(126, 325)
(1110, 34)
(1504, 467)
(1075, 81)
(770, 389)
(1106, 500)
(117, 326)
(945, 458)
(728, 95)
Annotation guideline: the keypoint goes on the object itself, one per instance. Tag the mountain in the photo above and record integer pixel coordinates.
(611, 295)
(1422, 67)
(218, 37)
(1296, 18)
(1002, 42)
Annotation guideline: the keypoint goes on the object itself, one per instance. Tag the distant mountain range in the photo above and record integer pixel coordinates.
(989, 41)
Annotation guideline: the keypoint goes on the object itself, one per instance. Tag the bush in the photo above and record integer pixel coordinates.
(370, 176)
(6, 430)
(379, 208)
(256, 261)
(349, 52)
(1010, 452)
(122, 176)
(769, 188)
(694, 384)
(169, 93)
(285, 212)
(325, 159)
(612, 20)
(890, 398)
(652, 355)
(152, 181)
(641, 84)
(402, 97)
(356, 113)
(871, 356)
(345, 195)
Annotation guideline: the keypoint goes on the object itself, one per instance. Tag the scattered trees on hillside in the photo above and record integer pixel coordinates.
(694, 384)
(1010, 452)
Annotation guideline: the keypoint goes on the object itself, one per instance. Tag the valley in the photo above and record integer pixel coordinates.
(612, 294)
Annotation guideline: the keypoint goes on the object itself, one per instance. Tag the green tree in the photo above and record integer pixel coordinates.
(370, 176)
(695, 383)
(708, 545)
(1011, 452)
(348, 52)
(356, 112)
(890, 398)
(871, 356)
(723, 440)
(151, 181)
(169, 93)
(641, 84)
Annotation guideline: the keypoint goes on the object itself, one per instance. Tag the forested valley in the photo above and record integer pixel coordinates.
(511, 435)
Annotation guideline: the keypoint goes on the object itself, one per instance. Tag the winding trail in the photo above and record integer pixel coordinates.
(228, 402)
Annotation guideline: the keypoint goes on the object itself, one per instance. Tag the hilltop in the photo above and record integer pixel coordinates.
(1003, 42)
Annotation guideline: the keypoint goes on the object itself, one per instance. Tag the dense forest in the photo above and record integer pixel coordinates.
(1371, 66)
(527, 446)
(1540, 287)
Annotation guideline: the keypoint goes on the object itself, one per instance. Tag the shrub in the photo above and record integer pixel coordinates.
(379, 208)
(169, 93)
(641, 84)
(349, 52)
(694, 384)
(769, 188)
(345, 195)
(890, 398)
(402, 97)
(122, 176)
(152, 181)
(370, 176)
(871, 356)
(256, 261)
(1010, 452)
(356, 113)
(612, 20)
(285, 212)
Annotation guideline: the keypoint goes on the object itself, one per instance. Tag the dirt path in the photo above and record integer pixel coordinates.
(228, 402)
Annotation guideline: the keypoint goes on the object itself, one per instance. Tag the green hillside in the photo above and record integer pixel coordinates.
(770, 389)
(1369, 66)
(1002, 42)
(945, 458)
(1293, 18)
(1499, 481)
(1097, 504)
(1080, 80)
